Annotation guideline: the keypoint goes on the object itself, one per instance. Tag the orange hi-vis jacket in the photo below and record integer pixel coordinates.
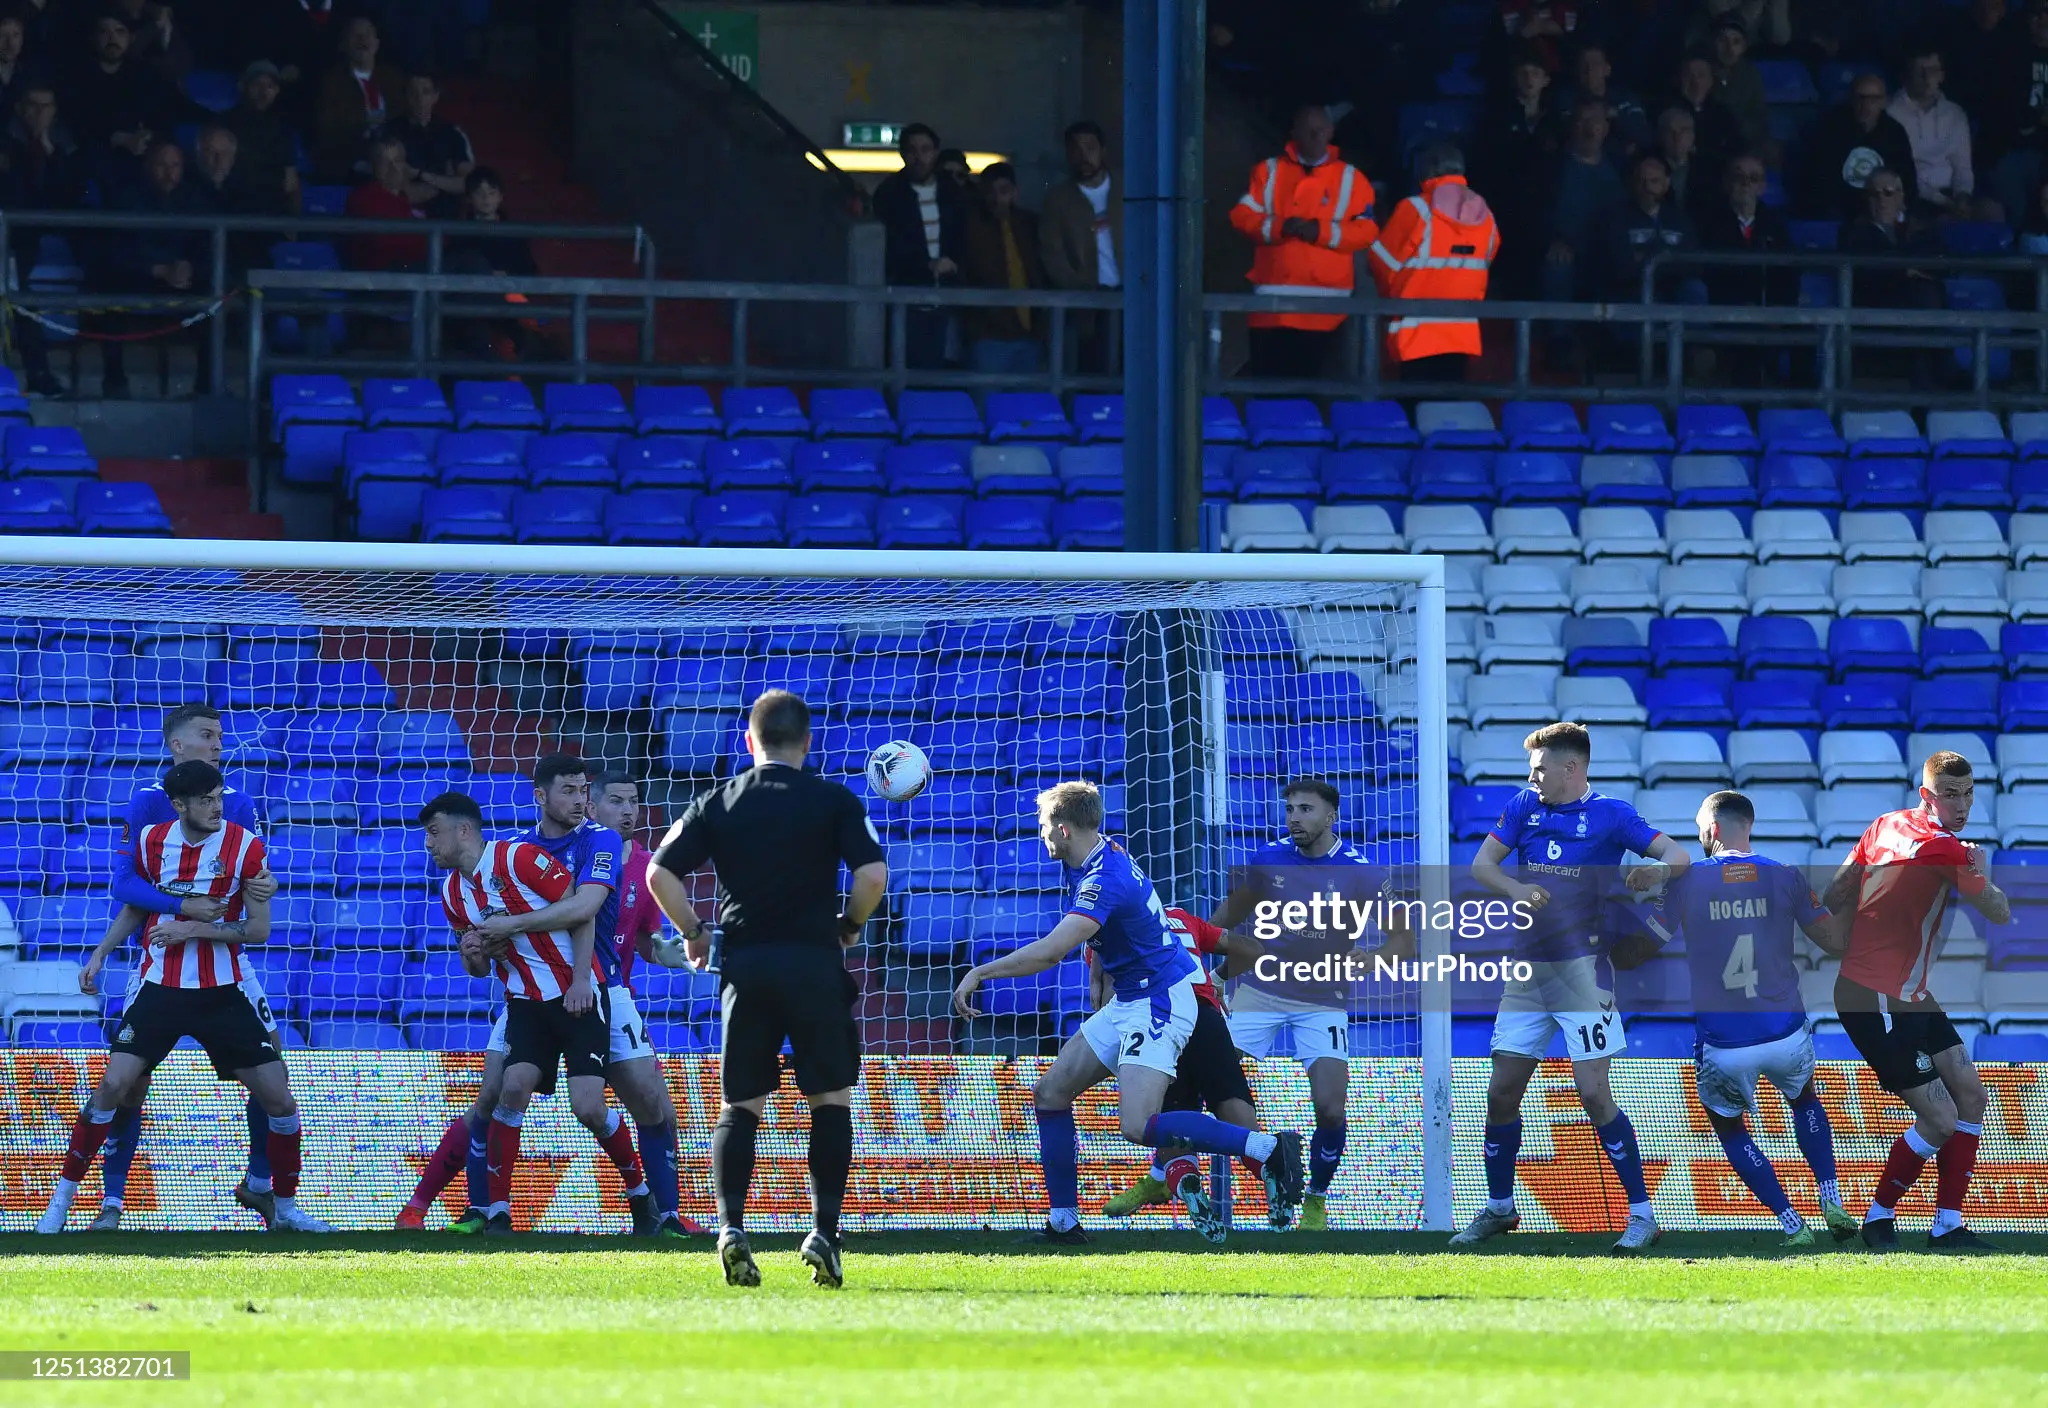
(1439, 244)
(1334, 194)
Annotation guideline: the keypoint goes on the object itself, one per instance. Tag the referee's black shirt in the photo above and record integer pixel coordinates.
(775, 835)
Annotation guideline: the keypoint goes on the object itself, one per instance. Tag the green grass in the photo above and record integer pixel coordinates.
(969, 1320)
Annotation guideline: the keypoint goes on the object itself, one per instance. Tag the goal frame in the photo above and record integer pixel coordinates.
(1424, 572)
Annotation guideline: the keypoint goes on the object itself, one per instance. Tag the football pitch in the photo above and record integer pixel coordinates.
(371, 1321)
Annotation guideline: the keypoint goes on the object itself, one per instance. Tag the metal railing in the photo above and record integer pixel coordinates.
(220, 230)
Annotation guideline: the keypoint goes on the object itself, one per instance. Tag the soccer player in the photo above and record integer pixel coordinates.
(1312, 860)
(1208, 1073)
(557, 1004)
(590, 853)
(1571, 839)
(1738, 912)
(776, 837)
(192, 732)
(191, 975)
(1898, 884)
(1139, 1036)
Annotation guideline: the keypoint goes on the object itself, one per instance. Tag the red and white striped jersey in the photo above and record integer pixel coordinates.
(213, 869)
(518, 877)
(1913, 870)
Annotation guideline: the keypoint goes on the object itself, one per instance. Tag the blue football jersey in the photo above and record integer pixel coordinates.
(1738, 914)
(1573, 851)
(1281, 872)
(1134, 945)
(151, 806)
(592, 854)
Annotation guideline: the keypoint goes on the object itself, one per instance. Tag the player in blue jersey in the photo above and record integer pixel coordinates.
(592, 854)
(1568, 842)
(1137, 1037)
(1737, 912)
(191, 731)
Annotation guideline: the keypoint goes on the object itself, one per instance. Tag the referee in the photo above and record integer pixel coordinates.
(775, 835)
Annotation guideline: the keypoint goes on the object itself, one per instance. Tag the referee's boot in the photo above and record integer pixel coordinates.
(263, 1204)
(737, 1258)
(1959, 1241)
(821, 1254)
(1285, 1176)
(646, 1217)
(1051, 1236)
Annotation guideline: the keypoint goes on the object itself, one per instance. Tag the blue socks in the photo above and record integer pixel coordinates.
(1059, 1153)
(259, 1147)
(119, 1152)
(1618, 1138)
(1194, 1130)
(1325, 1152)
(1754, 1169)
(1503, 1144)
(658, 1160)
(1817, 1143)
(478, 1166)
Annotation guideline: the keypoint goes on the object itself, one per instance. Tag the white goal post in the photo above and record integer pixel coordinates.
(1189, 740)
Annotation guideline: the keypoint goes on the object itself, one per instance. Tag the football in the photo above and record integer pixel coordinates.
(898, 771)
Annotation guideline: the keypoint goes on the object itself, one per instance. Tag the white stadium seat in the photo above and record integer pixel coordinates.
(1683, 756)
(1598, 700)
(1885, 536)
(1964, 535)
(1876, 591)
(1533, 532)
(1791, 589)
(1266, 528)
(1459, 645)
(1845, 813)
(1446, 528)
(1355, 528)
(1964, 940)
(1699, 472)
(1945, 426)
(1701, 590)
(1509, 699)
(1817, 991)
(1340, 637)
(1525, 586)
(2027, 425)
(2022, 760)
(1617, 756)
(2026, 595)
(1860, 756)
(1519, 640)
(1858, 426)
(2019, 996)
(1782, 533)
(1958, 985)
(1920, 746)
(1950, 592)
(1494, 755)
(1461, 585)
(1792, 853)
(1781, 815)
(1672, 810)
(1706, 533)
(1619, 532)
(2022, 819)
(1433, 416)
(1613, 586)
(1763, 755)
(2028, 533)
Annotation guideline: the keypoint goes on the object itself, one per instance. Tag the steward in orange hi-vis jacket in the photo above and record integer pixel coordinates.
(1309, 212)
(1439, 244)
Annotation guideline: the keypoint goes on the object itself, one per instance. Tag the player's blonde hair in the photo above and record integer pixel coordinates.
(1564, 737)
(1077, 804)
(1944, 765)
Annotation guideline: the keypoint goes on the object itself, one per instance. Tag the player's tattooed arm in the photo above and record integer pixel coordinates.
(1843, 893)
(1990, 901)
(1830, 933)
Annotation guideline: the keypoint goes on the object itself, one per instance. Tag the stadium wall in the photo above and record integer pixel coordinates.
(949, 1142)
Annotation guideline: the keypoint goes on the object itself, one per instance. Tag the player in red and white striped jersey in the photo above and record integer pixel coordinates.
(191, 975)
(1901, 881)
(516, 877)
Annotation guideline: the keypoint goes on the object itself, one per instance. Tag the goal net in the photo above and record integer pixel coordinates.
(356, 681)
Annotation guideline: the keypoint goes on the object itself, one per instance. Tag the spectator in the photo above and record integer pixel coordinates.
(356, 98)
(226, 186)
(1851, 141)
(953, 166)
(1740, 86)
(484, 201)
(383, 197)
(117, 105)
(1586, 189)
(1515, 154)
(1717, 135)
(1979, 47)
(1081, 241)
(17, 74)
(155, 259)
(437, 151)
(1939, 132)
(2012, 133)
(51, 29)
(924, 225)
(1002, 252)
(1627, 119)
(1768, 22)
(1675, 143)
(1308, 214)
(43, 172)
(1742, 224)
(1884, 229)
(296, 37)
(1544, 24)
(154, 41)
(1648, 224)
(264, 149)
(1439, 244)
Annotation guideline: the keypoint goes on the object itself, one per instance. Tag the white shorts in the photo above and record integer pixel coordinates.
(1144, 1031)
(1728, 1075)
(1322, 1034)
(1565, 997)
(629, 1034)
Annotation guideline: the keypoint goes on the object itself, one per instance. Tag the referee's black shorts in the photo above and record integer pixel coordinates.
(544, 1033)
(1209, 1071)
(801, 993)
(221, 1019)
(1899, 1040)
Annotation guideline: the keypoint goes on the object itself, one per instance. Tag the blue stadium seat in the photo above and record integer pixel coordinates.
(1951, 650)
(472, 513)
(1098, 418)
(404, 456)
(1798, 481)
(389, 510)
(1536, 477)
(1976, 237)
(838, 466)
(1603, 645)
(1372, 425)
(1970, 483)
(1816, 236)
(749, 464)
(1670, 1041)
(1695, 642)
(1087, 471)
(1451, 476)
(1957, 703)
(462, 457)
(1013, 522)
(1542, 425)
(319, 399)
(66, 677)
(1094, 525)
(57, 1032)
(748, 519)
(1364, 476)
(312, 453)
(915, 521)
(339, 684)
(48, 451)
(2030, 486)
(2022, 707)
(1457, 425)
(1884, 483)
(1776, 703)
(1861, 705)
(661, 462)
(1799, 432)
(213, 89)
(1026, 415)
(832, 520)
(1221, 424)
(1284, 421)
(417, 401)
(674, 410)
(1867, 645)
(559, 515)
(850, 412)
(1774, 646)
(932, 468)
(615, 682)
(939, 415)
(700, 682)
(1274, 474)
(1474, 810)
(1627, 430)
(1687, 701)
(2018, 1048)
(576, 459)
(313, 799)
(764, 410)
(2024, 647)
(36, 507)
(495, 405)
(325, 200)
(699, 741)
(593, 406)
(1715, 430)
(414, 738)
(1787, 83)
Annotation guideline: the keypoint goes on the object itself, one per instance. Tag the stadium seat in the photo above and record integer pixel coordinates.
(912, 521)
(1873, 591)
(764, 410)
(1967, 435)
(1602, 643)
(47, 451)
(1095, 525)
(1691, 643)
(1963, 536)
(830, 466)
(1882, 434)
(661, 462)
(404, 401)
(1675, 755)
(573, 460)
(1697, 590)
(762, 463)
(939, 415)
(35, 507)
(495, 405)
(594, 406)
(1091, 470)
(1446, 528)
(1542, 425)
(1715, 430)
(1959, 702)
(1528, 586)
(1776, 704)
(2023, 649)
(1536, 477)
(1870, 646)
(1273, 474)
(1623, 479)
(831, 520)
(1011, 469)
(1284, 421)
(1798, 481)
(1950, 651)
(1686, 702)
(1457, 425)
(1881, 537)
(932, 468)
(466, 514)
(1771, 755)
(1352, 528)
(1097, 418)
(1861, 705)
(1372, 425)
(1015, 523)
(319, 399)
(2022, 708)
(1955, 595)
(1519, 640)
(1619, 532)
(559, 515)
(683, 410)
(1494, 700)
(1533, 532)
(1804, 432)
(1971, 483)
(1847, 758)
(1707, 534)
(1451, 476)
(1627, 430)
(1618, 585)
(748, 519)
(1884, 483)
(1270, 527)
(2026, 595)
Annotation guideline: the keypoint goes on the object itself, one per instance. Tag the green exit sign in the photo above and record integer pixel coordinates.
(884, 136)
(734, 36)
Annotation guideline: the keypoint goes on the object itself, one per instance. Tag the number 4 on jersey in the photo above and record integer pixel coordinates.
(1740, 969)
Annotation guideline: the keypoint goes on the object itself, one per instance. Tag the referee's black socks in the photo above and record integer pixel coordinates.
(732, 1163)
(831, 1163)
